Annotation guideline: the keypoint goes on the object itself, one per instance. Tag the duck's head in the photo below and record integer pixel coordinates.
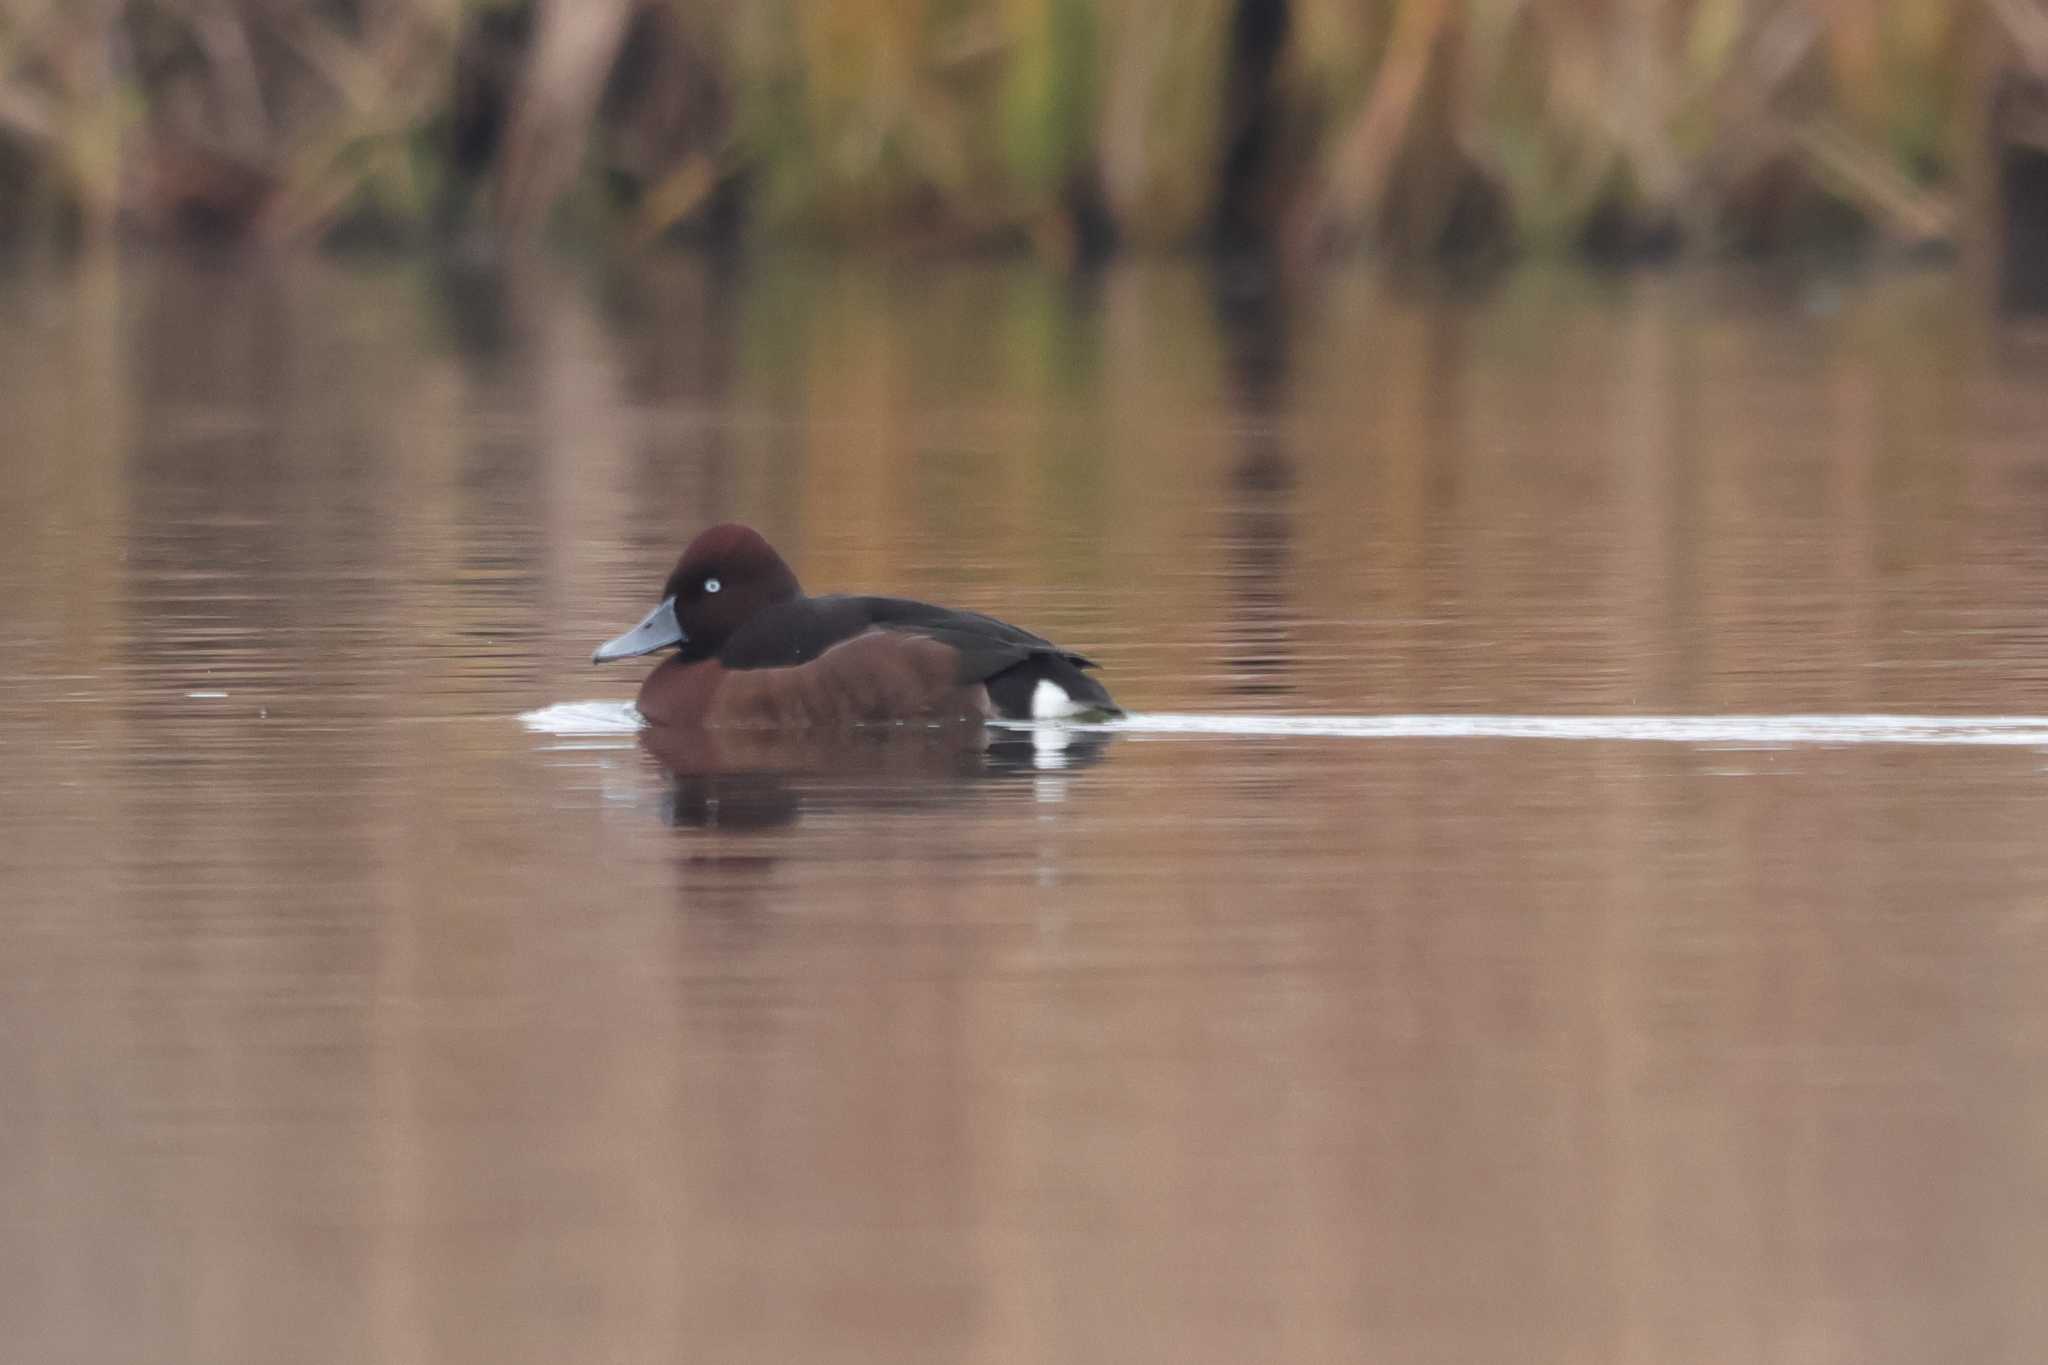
(727, 574)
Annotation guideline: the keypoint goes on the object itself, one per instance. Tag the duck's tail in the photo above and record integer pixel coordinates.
(1050, 686)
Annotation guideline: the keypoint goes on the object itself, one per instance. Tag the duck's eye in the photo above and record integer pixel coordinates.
(711, 585)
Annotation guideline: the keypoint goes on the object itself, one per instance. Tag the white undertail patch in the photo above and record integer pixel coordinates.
(1049, 701)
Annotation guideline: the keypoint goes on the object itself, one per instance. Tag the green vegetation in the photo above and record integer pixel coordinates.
(1310, 125)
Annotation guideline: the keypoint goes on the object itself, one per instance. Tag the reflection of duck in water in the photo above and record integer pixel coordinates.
(752, 650)
(760, 779)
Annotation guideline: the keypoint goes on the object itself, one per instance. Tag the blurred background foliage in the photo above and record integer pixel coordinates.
(1618, 127)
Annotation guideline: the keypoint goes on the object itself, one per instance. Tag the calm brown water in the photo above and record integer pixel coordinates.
(344, 1018)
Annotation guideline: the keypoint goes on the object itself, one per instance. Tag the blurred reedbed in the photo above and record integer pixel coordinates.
(1310, 126)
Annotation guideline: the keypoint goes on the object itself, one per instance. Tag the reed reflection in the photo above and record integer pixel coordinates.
(1258, 638)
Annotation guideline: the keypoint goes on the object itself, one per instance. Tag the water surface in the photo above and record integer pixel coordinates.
(1401, 1004)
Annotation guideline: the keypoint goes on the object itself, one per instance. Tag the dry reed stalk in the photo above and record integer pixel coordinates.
(61, 97)
(1362, 155)
(575, 44)
(1867, 180)
(377, 88)
(1163, 69)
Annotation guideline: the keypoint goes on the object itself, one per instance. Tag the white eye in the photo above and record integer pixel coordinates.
(711, 585)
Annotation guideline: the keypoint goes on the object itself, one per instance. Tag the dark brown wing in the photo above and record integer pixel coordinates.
(987, 646)
(797, 632)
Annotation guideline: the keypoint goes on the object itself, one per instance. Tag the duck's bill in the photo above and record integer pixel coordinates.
(658, 631)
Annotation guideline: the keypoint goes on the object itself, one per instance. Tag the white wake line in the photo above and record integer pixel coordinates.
(617, 718)
(1780, 731)
(583, 718)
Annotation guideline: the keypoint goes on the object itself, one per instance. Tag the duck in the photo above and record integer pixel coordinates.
(753, 650)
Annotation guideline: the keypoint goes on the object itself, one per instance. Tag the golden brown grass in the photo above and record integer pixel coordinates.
(1624, 124)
